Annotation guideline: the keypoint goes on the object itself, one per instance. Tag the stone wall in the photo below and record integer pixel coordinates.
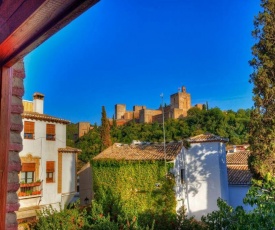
(120, 110)
(83, 128)
(146, 115)
(16, 127)
(180, 103)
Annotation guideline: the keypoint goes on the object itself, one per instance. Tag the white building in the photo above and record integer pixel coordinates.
(201, 171)
(201, 175)
(48, 174)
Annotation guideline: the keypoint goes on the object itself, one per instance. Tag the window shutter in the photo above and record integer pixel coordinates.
(28, 167)
(29, 127)
(50, 166)
(50, 129)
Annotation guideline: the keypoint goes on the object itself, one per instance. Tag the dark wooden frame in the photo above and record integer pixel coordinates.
(5, 115)
(24, 25)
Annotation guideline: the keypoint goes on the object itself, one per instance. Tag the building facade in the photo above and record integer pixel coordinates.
(203, 172)
(201, 175)
(48, 174)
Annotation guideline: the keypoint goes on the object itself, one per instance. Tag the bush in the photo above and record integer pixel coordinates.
(261, 196)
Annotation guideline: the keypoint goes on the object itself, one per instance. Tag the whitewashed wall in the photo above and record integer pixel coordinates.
(237, 194)
(68, 173)
(47, 151)
(205, 178)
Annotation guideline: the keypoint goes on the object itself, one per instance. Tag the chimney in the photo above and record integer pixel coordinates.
(38, 103)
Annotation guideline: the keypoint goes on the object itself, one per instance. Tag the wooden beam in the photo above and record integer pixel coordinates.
(5, 115)
(33, 22)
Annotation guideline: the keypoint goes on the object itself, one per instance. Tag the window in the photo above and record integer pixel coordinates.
(50, 132)
(28, 130)
(50, 171)
(182, 175)
(27, 172)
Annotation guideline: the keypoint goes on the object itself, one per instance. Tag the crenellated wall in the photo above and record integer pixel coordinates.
(180, 103)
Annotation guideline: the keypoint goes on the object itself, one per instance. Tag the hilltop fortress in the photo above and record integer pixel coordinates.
(180, 103)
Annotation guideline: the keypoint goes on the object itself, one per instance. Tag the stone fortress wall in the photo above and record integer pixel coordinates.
(180, 103)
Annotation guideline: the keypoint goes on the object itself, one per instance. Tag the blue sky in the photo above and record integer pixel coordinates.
(130, 52)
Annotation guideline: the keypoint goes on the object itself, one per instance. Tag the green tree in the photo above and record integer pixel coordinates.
(72, 134)
(262, 127)
(105, 130)
(90, 144)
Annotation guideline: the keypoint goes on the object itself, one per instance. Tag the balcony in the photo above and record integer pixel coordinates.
(30, 189)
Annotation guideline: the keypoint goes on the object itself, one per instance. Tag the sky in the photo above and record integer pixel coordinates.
(130, 52)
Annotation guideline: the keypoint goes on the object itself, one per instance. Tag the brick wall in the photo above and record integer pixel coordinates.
(16, 127)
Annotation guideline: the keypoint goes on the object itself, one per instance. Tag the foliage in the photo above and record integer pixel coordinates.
(109, 213)
(93, 217)
(72, 134)
(90, 144)
(50, 218)
(135, 189)
(233, 125)
(261, 196)
(262, 135)
(105, 131)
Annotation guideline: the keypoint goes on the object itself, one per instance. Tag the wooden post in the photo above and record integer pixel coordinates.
(5, 108)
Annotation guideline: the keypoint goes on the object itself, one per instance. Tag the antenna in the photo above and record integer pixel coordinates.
(164, 146)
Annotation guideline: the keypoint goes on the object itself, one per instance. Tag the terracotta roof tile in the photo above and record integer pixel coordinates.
(207, 138)
(43, 117)
(237, 168)
(239, 175)
(69, 150)
(237, 157)
(140, 152)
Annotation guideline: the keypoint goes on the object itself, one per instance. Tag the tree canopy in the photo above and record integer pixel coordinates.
(233, 125)
(262, 131)
(105, 131)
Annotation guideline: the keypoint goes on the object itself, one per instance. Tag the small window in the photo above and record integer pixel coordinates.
(27, 177)
(50, 132)
(182, 176)
(27, 172)
(50, 171)
(28, 130)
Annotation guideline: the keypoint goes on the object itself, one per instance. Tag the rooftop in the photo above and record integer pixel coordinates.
(43, 117)
(207, 138)
(69, 150)
(237, 168)
(239, 175)
(146, 151)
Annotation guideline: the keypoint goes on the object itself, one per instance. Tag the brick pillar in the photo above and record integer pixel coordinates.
(18, 74)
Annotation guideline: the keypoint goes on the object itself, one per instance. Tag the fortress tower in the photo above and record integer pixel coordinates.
(180, 103)
(120, 110)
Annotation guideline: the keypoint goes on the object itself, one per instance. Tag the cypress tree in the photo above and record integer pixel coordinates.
(262, 126)
(105, 130)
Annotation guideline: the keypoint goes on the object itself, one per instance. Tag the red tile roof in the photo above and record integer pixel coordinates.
(207, 138)
(140, 152)
(43, 117)
(238, 175)
(69, 150)
(237, 168)
(237, 157)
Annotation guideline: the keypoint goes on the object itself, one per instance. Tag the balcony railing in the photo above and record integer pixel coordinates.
(30, 189)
